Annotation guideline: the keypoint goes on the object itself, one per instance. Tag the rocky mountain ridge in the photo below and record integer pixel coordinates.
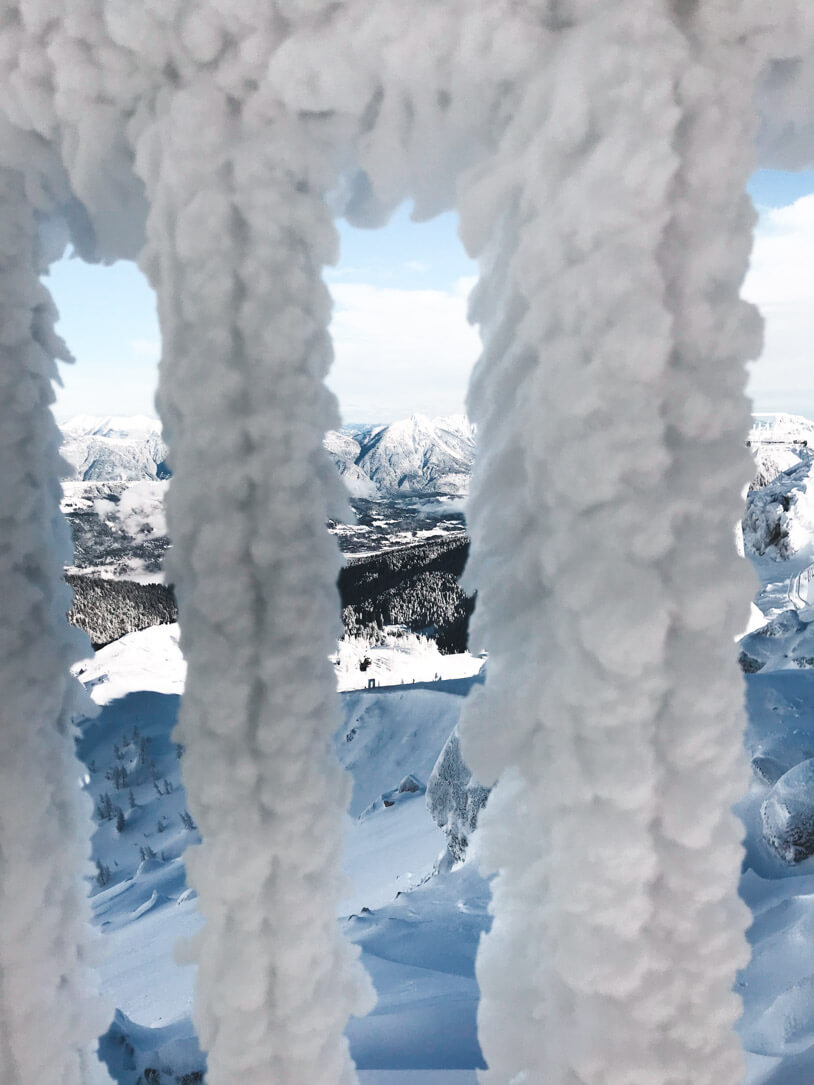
(415, 456)
(114, 449)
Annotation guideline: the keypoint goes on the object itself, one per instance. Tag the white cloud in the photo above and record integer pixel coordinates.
(781, 283)
(464, 286)
(400, 351)
(149, 349)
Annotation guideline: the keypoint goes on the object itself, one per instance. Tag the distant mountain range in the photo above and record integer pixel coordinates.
(114, 449)
(779, 442)
(413, 457)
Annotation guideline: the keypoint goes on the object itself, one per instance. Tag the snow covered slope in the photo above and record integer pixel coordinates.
(418, 932)
(114, 449)
(779, 519)
(779, 442)
(416, 455)
(777, 985)
(345, 450)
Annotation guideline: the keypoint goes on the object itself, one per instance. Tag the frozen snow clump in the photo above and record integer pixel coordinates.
(788, 814)
(779, 517)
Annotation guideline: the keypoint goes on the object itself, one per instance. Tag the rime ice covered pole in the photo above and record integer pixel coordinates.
(611, 418)
(49, 1021)
(238, 234)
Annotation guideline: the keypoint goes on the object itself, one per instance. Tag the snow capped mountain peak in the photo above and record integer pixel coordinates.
(114, 448)
(415, 455)
(121, 427)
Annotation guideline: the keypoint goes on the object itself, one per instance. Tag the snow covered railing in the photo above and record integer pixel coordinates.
(597, 152)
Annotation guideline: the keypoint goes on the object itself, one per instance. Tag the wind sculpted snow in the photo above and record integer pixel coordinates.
(44, 817)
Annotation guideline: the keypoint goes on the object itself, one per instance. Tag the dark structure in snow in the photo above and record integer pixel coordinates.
(415, 586)
(108, 609)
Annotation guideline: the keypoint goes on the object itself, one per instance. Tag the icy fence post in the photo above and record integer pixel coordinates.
(49, 1021)
(611, 418)
(238, 233)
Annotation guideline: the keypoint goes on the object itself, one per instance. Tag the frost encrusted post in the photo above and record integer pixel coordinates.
(601, 149)
(236, 245)
(612, 421)
(48, 1021)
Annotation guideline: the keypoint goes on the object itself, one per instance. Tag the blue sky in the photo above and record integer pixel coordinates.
(401, 340)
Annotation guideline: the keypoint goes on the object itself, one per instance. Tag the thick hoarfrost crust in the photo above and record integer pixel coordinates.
(238, 233)
(597, 150)
(608, 583)
(48, 1021)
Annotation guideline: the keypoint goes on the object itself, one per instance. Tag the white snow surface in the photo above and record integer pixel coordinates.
(148, 660)
(424, 1013)
(400, 657)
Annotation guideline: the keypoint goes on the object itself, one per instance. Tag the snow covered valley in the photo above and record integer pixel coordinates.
(406, 482)
(415, 902)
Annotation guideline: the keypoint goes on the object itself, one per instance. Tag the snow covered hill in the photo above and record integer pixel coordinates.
(416, 913)
(417, 455)
(418, 931)
(779, 442)
(114, 449)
